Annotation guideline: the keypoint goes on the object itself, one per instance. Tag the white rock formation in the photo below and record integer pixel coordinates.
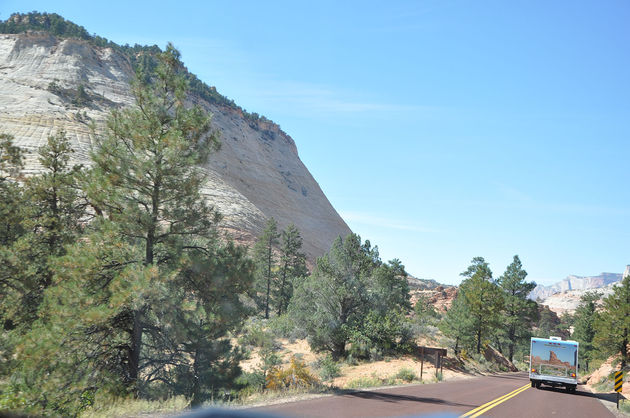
(257, 173)
(574, 283)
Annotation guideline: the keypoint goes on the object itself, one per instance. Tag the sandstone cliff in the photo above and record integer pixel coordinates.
(583, 283)
(49, 84)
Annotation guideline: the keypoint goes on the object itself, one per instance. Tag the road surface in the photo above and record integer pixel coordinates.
(502, 395)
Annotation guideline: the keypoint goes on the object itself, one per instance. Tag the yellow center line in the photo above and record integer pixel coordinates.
(489, 405)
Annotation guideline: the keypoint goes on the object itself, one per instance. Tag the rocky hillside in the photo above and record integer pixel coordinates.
(50, 83)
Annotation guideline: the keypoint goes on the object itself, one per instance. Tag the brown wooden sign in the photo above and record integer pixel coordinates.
(436, 354)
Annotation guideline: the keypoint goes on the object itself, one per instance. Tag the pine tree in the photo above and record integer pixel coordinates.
(612, 327)
(292, 266)
(518, 311)
(146, 179)
(584, 320)
(266, 263)
(11, 163)
(142, 303)
(458, 325)
(11, 229)
(343, 299)
(50, 220)
(482, 298)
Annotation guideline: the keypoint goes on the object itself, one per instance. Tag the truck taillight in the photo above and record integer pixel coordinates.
(533, 370)
(572, 374)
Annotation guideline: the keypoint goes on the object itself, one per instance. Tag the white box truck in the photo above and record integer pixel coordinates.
(553, 362)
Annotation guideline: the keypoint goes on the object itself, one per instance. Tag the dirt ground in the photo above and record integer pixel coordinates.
(377, 369)
(388, 368)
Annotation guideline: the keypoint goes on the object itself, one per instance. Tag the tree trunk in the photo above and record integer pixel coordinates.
(282, 301)
(268, 281)
(457, 345)
(134, 351)
(479, 341)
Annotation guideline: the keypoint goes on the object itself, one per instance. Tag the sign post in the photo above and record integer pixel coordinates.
(618, 385)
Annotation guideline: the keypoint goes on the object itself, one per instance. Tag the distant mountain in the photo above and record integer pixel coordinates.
(575, 283)
(565, 296)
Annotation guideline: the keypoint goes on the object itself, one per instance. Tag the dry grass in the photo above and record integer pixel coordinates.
(136, 408)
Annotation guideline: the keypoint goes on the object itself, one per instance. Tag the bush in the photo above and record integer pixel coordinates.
(364, 382)
(254, 334)
(381, 334)
(328, 368)
(297, 375)
(12, 399)
(251, 382)
(406, 374)
(284, 326)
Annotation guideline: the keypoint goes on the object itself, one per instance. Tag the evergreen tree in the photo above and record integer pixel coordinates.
(146, 179)
(347, 299)
(292, 266)
(50, 219)
(143, 302)
(11, 228)
(612, 326)
(209, 291)
(458, 325)
(549, 324)
(425, 313)
(266, 263)
(390, 287)
(518, 311)
(584, 325)
(482, 298)
(11, 162)
(329, 303)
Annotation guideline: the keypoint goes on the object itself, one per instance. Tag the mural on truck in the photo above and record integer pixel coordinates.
(553, 358)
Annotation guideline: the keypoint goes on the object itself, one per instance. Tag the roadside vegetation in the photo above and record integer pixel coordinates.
(120, 295)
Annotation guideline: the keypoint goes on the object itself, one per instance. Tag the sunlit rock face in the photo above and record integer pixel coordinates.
(257, 174)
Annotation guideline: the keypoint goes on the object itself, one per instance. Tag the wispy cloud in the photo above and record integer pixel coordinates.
(308, 97)
(231, 67)
(382, 222)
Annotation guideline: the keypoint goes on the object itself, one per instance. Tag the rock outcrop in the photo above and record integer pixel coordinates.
(575, 283)
(49, 84)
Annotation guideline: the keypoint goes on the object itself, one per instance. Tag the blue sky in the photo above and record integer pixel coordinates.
(439, 130)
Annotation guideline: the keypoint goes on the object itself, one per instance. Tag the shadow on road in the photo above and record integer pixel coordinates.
(610, 397)
(513, 376)
(390, 397)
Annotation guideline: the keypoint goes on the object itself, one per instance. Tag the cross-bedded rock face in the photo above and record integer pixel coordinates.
(49, 84)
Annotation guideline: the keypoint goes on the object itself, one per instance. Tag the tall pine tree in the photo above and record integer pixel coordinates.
(292, 266)
(612, 327)
(518, 312)
(265, 260)
(482, 298)
(584, 320)
(141, 304)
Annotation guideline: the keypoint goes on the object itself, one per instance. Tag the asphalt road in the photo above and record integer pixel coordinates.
(503, 395)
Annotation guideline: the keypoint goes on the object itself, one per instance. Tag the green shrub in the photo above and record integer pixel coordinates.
(12, 399)
(328, 368)
(406, 374)
(364, 382)
(254, 334)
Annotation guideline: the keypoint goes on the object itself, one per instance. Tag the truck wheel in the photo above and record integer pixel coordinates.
(533, 384)
(537, 385)
(571, 388)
